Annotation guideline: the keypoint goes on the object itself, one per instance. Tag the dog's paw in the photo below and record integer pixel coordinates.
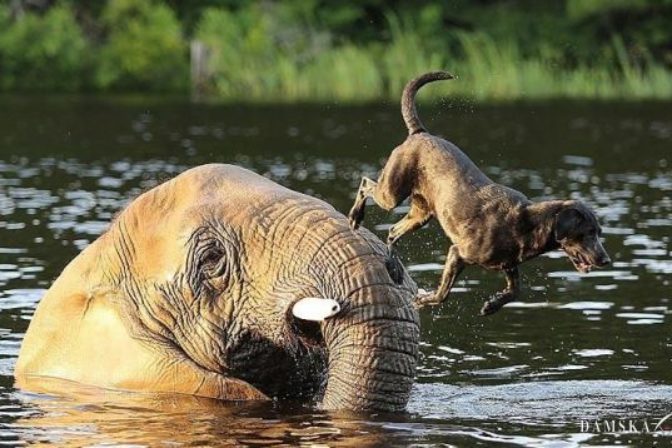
(490, 307)
(425, 298)
(496, 303)
(355, 217)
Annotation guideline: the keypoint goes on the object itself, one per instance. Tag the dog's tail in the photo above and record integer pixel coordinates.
(408, 110)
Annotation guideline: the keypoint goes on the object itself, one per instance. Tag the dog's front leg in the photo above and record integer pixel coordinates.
(503, 297)
(414, 219)
(451, 270)
(356, 215)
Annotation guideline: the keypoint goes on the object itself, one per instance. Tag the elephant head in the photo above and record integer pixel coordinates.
(193, 287)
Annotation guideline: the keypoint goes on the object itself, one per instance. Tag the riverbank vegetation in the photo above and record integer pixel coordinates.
(351, 51)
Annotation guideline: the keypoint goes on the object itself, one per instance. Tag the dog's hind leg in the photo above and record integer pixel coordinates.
(451, 270)
(366, 190)
(503, 297)
(414, 219)
(395, 184)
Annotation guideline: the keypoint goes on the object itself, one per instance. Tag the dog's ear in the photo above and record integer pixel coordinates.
(567, 222)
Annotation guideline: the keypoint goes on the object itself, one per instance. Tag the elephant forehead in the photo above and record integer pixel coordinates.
(270, 222)
(223, 192)
(305, 228)
(226, 194)
(229, 182)
(207, 184)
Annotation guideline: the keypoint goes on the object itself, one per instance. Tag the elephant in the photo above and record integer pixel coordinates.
(205, 285)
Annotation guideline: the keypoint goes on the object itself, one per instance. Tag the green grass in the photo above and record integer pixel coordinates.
(495, 71)
(487, 70)
(291, 52)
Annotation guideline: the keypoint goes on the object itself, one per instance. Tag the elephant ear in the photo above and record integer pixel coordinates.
(315, 309)
(567, 223)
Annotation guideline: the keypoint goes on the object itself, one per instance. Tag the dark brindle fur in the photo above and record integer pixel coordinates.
(490, 225)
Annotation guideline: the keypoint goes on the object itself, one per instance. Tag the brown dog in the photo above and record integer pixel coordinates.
(490, 225)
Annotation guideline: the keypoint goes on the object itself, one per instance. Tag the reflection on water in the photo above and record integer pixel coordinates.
(576, 346)
(532, 414)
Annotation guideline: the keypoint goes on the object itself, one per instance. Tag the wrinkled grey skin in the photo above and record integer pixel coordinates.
(240, 250)
(280, 247)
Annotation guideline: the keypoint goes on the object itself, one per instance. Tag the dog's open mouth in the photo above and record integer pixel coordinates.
(581, 263)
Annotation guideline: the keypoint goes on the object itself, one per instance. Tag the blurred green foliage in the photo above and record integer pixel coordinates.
(144, 48)
(43, 52)
(315, 50)
(265, 52)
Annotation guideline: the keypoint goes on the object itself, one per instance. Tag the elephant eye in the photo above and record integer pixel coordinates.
(213, 270)
(213, 263)
(210, 263)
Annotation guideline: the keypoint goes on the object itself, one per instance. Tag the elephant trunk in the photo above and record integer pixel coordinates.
(373, 351)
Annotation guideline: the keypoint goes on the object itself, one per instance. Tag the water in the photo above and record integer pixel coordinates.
(577, 347)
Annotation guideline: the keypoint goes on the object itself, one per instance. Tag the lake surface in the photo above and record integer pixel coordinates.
(595, 347)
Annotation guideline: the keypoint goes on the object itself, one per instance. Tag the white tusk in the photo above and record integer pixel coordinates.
(315, 309)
